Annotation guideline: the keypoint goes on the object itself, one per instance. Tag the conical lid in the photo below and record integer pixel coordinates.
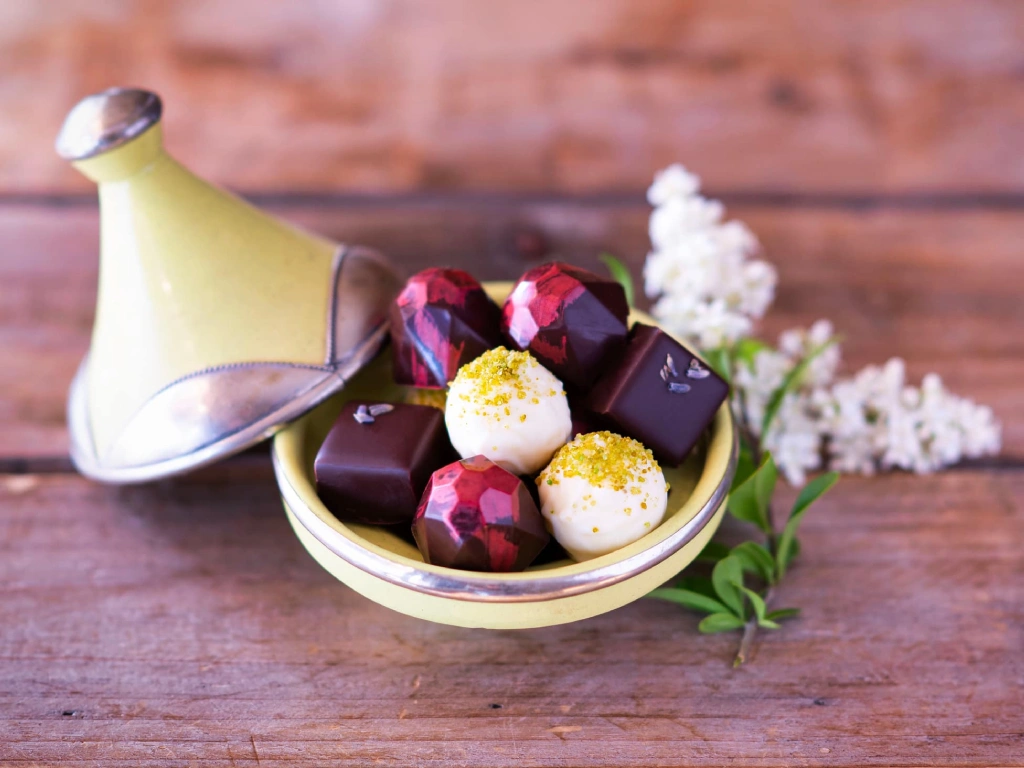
(216, 324)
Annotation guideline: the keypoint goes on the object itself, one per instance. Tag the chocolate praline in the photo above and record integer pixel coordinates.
(659, 393)
(377, 459)
(476, 516)
(441, 320)
(572, 320)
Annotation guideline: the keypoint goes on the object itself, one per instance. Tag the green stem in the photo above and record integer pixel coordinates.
(756, 454)
(750, 632)
(771, 535)
(750, 628)
(747, 436)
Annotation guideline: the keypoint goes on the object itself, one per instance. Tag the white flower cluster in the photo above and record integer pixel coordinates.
(707, 287)
(874, 420)
(796, 434)
(871, 421)
(710, 292)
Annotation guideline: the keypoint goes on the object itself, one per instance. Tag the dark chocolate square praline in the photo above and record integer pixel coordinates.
(658, 393)
(375, 471)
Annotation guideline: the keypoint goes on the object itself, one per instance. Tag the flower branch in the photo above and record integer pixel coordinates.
(793, 415)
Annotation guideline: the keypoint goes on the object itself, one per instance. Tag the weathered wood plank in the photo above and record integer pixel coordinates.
(900, 95)
(181, 622)
(939, 288)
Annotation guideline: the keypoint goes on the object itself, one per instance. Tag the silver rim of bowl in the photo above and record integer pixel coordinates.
(482, 588)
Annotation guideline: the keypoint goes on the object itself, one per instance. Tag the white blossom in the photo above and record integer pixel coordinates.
(795, 438)
(711, 324)
(876, 421)
(795, 435)
(674, 181)
(679, 219)
(700, 271)
(755, 383)
(708, 289)
(797, 344)
(871, 421)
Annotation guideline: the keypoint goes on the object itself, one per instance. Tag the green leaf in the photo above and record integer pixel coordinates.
(745, 465)
(764, 484)
(756, 559)
(782, 563)
(727, 578)
(756, 602)
(750, 500)
(813, 491)
(700, 584)
(692, 600)
(783, 613)
(713, 552)
(719, 622)
(810, 493)
(745, 350)
(718, 359)
(791, 382)
(620, 273)
(743, 504)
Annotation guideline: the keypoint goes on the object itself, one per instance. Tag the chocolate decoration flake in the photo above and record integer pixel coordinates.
(696, 370)
(374, 470)
(367, 415)
(638, 396)
(668, 371)
(670, 364)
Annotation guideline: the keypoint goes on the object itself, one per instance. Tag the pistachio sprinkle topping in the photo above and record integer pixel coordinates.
(490, 411)
(602, 459)
(494, 372)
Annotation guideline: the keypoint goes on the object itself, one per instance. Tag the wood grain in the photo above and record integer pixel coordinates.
(182, 623)
(807, 95)
(876, 147)
(937, 288)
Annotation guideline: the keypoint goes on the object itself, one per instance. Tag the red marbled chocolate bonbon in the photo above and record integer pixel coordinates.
(477, 516)
(441, 320)
(570, 319)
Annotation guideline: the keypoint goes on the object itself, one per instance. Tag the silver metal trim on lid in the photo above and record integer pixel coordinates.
(105, 120)
(214, 413)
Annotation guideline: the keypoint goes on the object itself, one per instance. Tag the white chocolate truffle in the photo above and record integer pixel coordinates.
(601, 492)
(508, 407)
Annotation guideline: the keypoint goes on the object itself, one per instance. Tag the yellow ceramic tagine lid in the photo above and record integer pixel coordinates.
(216, 324)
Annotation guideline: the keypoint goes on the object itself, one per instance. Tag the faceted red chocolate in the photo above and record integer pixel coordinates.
(441, 320)
(477, 516)
(570, 319)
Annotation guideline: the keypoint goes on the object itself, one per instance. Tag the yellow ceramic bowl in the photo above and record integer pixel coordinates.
(387, 569)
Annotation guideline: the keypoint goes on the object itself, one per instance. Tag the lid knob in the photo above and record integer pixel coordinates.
(105, 120)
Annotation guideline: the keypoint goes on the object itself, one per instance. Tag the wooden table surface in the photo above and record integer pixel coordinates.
(877, 149)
